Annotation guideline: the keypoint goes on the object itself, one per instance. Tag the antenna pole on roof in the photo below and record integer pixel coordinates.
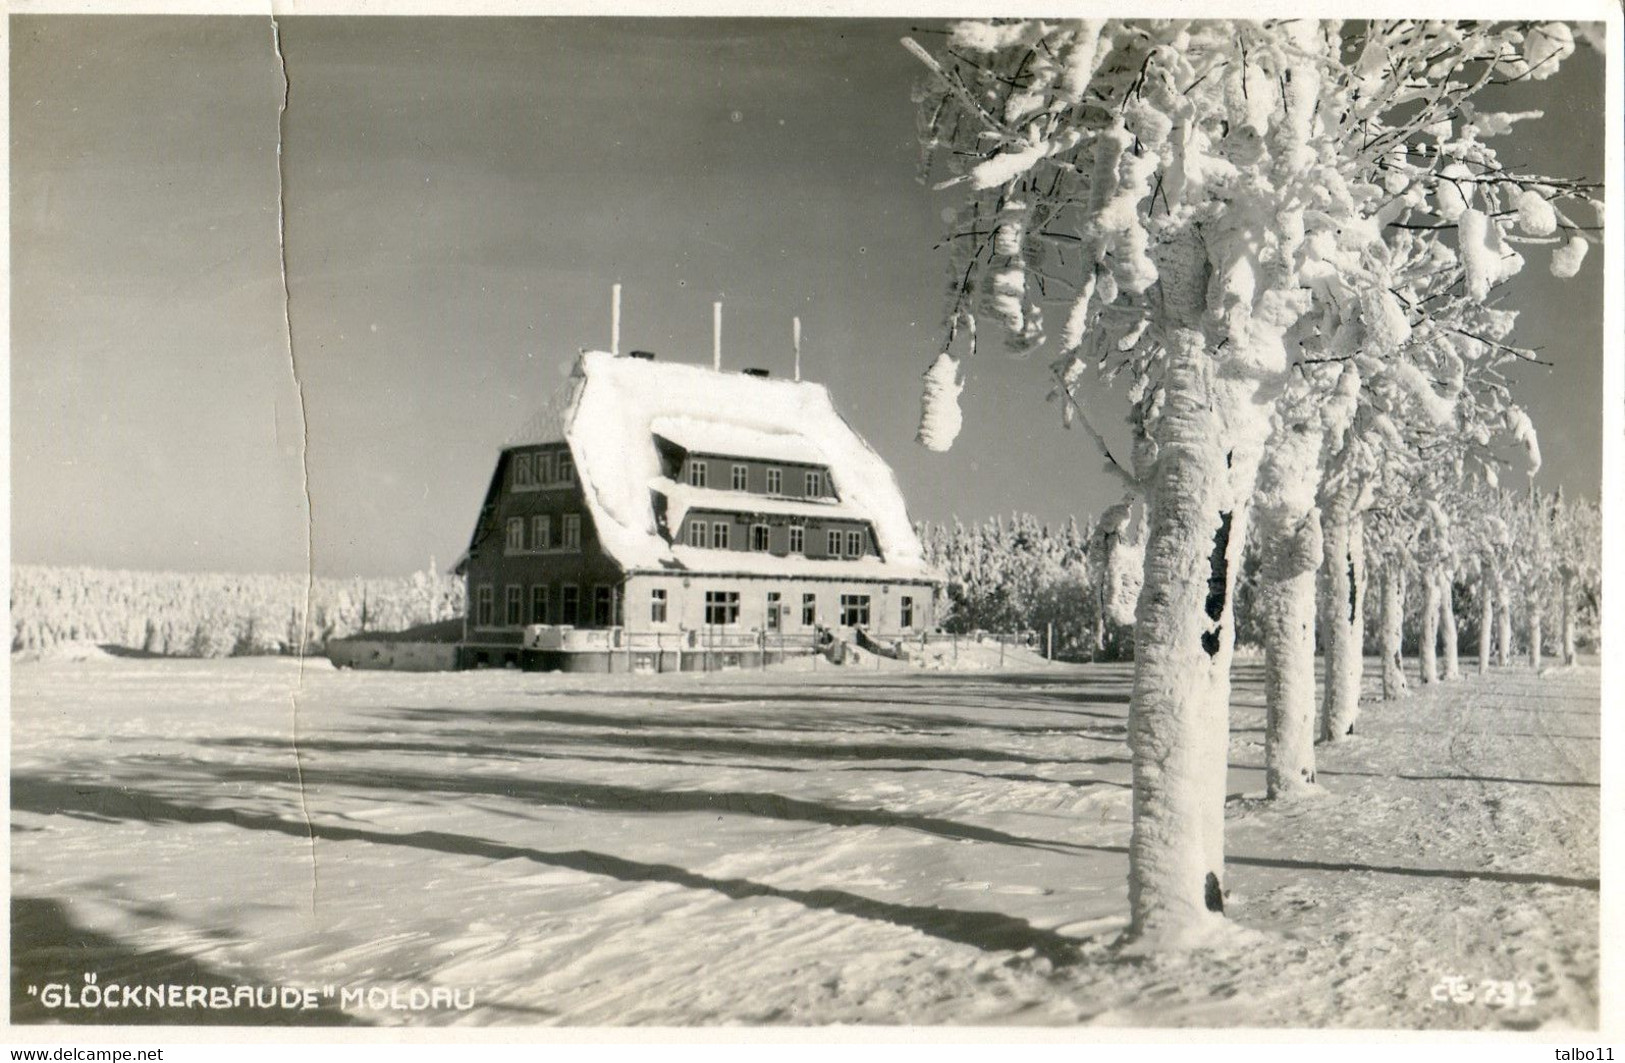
(615, 319)
(716, 335)
(795, 336)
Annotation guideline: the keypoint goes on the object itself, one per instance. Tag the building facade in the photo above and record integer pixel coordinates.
(672, 501)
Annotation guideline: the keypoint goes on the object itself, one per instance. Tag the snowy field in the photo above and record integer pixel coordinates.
(786, 848)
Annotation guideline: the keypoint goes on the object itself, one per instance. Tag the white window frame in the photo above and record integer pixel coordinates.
(798, 539)
(566, 468)
(725, 600)
(905, 611)
(809, 609)
(854, 543)
(775, 481)
(570, 531)
(739, 478)
(775, 610)
(832, 539)
(521, 470)
(814, 483)
(657, 605)
(515, 541)
(541, 532)
(721, 535)
(696, 473)
(542, 469)
(762, 533)
(854, 604)
(699, 533)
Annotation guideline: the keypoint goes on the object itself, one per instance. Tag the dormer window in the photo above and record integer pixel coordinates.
(759, 537)
(741, 477)
(854, 544)
(775, 481)
(521, 471)
(815, 485)
(542, 468)
(719, 535)
(567, 469)
(696, 532)
(696, 474)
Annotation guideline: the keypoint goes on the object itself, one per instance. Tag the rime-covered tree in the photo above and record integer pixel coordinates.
(1216, 207)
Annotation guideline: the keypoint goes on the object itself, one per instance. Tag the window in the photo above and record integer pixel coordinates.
(485, 607)
(603, 605)
(798, 539)
(905, 606)
(543, 467)
(541, 532)
(815, 485)
(696, 533)
(759, 537)
(569, 603)
(854, 543)
(741, 477)
(809, 610)
(834, 544)
(854, 610)
(538, 603)
(521, 470)
(773, 606)
(719, 535)
(696, 473)
(775, 481)
(657, 606)
(570, 531)
(567, 469)
(514, 616)
(516, 534)
(722, 607)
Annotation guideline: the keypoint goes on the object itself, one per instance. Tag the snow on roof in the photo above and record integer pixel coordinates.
(736, 441)
(609, 415)
(748, 563)
(680, 498)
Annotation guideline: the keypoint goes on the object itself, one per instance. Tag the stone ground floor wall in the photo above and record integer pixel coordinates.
(395, 656)
(685, 604)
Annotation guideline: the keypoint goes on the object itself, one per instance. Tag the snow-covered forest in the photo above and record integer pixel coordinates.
(1019, 574)
(1290, 241)
(200, 614)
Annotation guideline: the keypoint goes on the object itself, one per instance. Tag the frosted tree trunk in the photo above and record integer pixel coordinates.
(1534, 632)
(1428, 646)
(1393, 631)
(1178, 731)
(1291, 549)
(1486, 623)
(1447, 625)
(1568, 618)
(1503, 623)
(1344, 626)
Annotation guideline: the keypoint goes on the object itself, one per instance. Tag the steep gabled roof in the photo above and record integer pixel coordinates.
(613, 407)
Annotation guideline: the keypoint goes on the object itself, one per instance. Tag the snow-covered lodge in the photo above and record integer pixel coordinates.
(665, 515)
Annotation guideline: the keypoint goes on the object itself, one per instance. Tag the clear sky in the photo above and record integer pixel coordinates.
(460, 195)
